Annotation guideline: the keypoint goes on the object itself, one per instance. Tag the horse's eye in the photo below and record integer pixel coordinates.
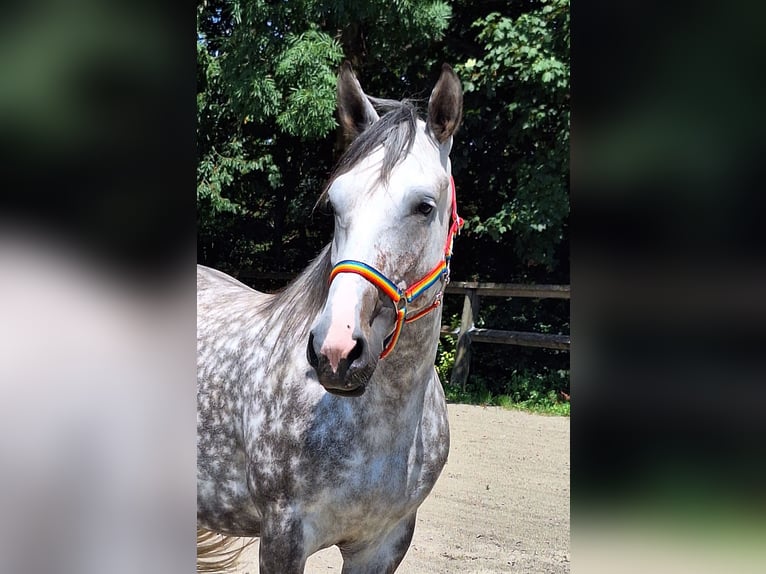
(425, 208)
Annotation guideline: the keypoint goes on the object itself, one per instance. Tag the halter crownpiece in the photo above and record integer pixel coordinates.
(402, 297)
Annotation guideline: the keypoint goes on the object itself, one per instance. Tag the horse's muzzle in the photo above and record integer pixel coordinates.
(341, 372)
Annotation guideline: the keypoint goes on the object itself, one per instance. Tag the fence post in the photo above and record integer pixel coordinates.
(462, 364)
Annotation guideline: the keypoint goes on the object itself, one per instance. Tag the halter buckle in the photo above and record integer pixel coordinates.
(401, 304)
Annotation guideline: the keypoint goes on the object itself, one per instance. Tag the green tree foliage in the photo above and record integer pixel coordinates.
(519, 158)
(266, 136)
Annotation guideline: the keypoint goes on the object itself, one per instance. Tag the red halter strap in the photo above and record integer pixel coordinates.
(402, 297)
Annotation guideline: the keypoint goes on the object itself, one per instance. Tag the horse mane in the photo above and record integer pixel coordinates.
(395, 131)
(302, 299)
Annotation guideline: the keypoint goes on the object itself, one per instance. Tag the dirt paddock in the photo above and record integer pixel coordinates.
(500, 505)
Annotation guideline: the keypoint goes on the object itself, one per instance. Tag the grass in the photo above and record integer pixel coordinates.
(537, 390)
(479, 395)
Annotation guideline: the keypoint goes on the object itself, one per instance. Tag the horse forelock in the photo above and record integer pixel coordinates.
(395, 132)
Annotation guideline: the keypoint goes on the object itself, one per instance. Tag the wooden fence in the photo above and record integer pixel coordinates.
(468, 333)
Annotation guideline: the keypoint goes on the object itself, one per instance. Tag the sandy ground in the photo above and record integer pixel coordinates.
(500, 505)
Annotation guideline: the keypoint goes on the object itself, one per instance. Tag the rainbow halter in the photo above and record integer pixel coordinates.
(402, 297)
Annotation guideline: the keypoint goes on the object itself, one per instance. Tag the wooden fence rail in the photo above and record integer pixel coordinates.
(468, 333)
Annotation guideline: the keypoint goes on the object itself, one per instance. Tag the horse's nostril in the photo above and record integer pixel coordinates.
(311, 354)
(356, 352)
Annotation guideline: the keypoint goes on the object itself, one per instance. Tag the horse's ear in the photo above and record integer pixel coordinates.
(354, 109)
(445, 107)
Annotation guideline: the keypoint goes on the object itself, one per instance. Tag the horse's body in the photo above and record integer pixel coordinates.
(305, 437)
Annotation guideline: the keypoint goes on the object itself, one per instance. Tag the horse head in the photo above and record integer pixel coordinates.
(392, 200)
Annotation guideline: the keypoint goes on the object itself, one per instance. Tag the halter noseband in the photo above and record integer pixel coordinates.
(402, 297)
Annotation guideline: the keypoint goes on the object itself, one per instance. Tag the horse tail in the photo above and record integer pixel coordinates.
(218, 553)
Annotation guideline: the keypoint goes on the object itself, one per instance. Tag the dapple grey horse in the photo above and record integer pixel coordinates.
(321, 419)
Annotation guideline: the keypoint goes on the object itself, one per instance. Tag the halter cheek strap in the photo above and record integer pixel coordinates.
(402, 297)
